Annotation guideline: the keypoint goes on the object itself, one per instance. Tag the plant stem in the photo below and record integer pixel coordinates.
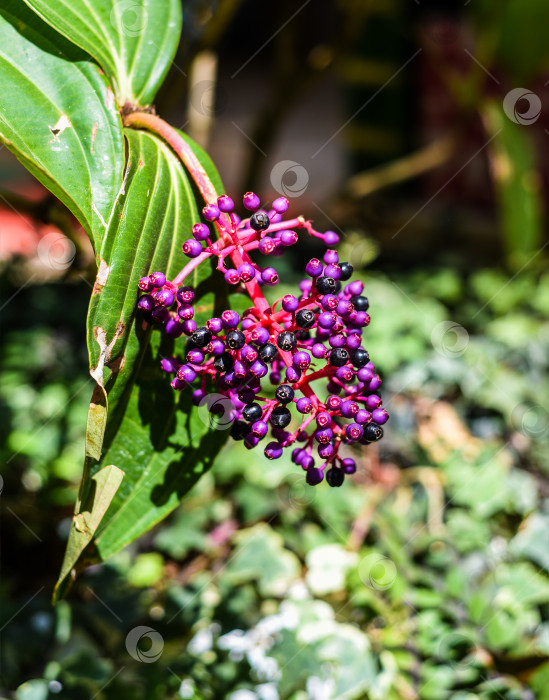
(167, 133)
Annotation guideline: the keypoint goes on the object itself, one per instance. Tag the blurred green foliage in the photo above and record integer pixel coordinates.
(424, 576)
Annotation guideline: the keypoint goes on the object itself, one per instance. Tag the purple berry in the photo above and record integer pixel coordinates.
(345, 374)
(344, 307)
(293, 374)
(259, 336)
(304, 404)
(333, 403)
(288, 238)
(195, 357)
(246, 272)
(198, 396)
(353, 341)
(248, 353)
(332, 271)
(307, 462)
(314, 476)
(186, 373)
(251, 201)
(355, 288)
(185, 312)
(338, 341)
(273, 450)
(161, 314)
(380, 416)
(214, 325)
(323, 435)
(375, 382)
(200, 232)
(326, 320)
(348, 465)
(290, 303)
(232, 276)
(170, 364)
(305, 286)
(373, 401)
(281, 205)
(314, 267)
(146, 303)
(365, 375)
(144, 284)
(216, 347)
(189, 326)
(269, 275)
(302, 360)
(266, 245)
(363, 416)
(260, 428)
(323, 419)
(319, 351)
(349, 409)
(354, 431)
(331, 257)
(331, 238)
(173, 328)
(185, 295)
(251, 441)
(326, 450)
(230, 319)
(225, 203)
(191, 248)
(259, 369)
(210, 212)
(329, 302)
(157, 279)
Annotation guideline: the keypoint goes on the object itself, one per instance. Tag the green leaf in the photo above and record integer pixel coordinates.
(134, 41)
(58, 116)
(153, 433)
(101, 490)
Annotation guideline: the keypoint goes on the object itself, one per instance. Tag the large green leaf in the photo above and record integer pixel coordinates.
(152, 434)
(134, 41)
(58, 116)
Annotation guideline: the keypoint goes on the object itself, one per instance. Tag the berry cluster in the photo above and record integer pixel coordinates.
(313, 340)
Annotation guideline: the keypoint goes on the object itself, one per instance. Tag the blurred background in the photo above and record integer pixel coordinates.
(418, 131)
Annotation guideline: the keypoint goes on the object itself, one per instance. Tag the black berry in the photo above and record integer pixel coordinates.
(346, 271)
(284, 393)
(252, 412)
(267, 353)
(373, 432)
(239, 430)
(335, 476)
(360, 303)
(359, 357)
(305, 318)
(235, 340)
(201, 337)
(339, 357)
(280, 417)
(259, 221)
(326, 285)
(286, 341)
(224, 363)
(302, 334)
